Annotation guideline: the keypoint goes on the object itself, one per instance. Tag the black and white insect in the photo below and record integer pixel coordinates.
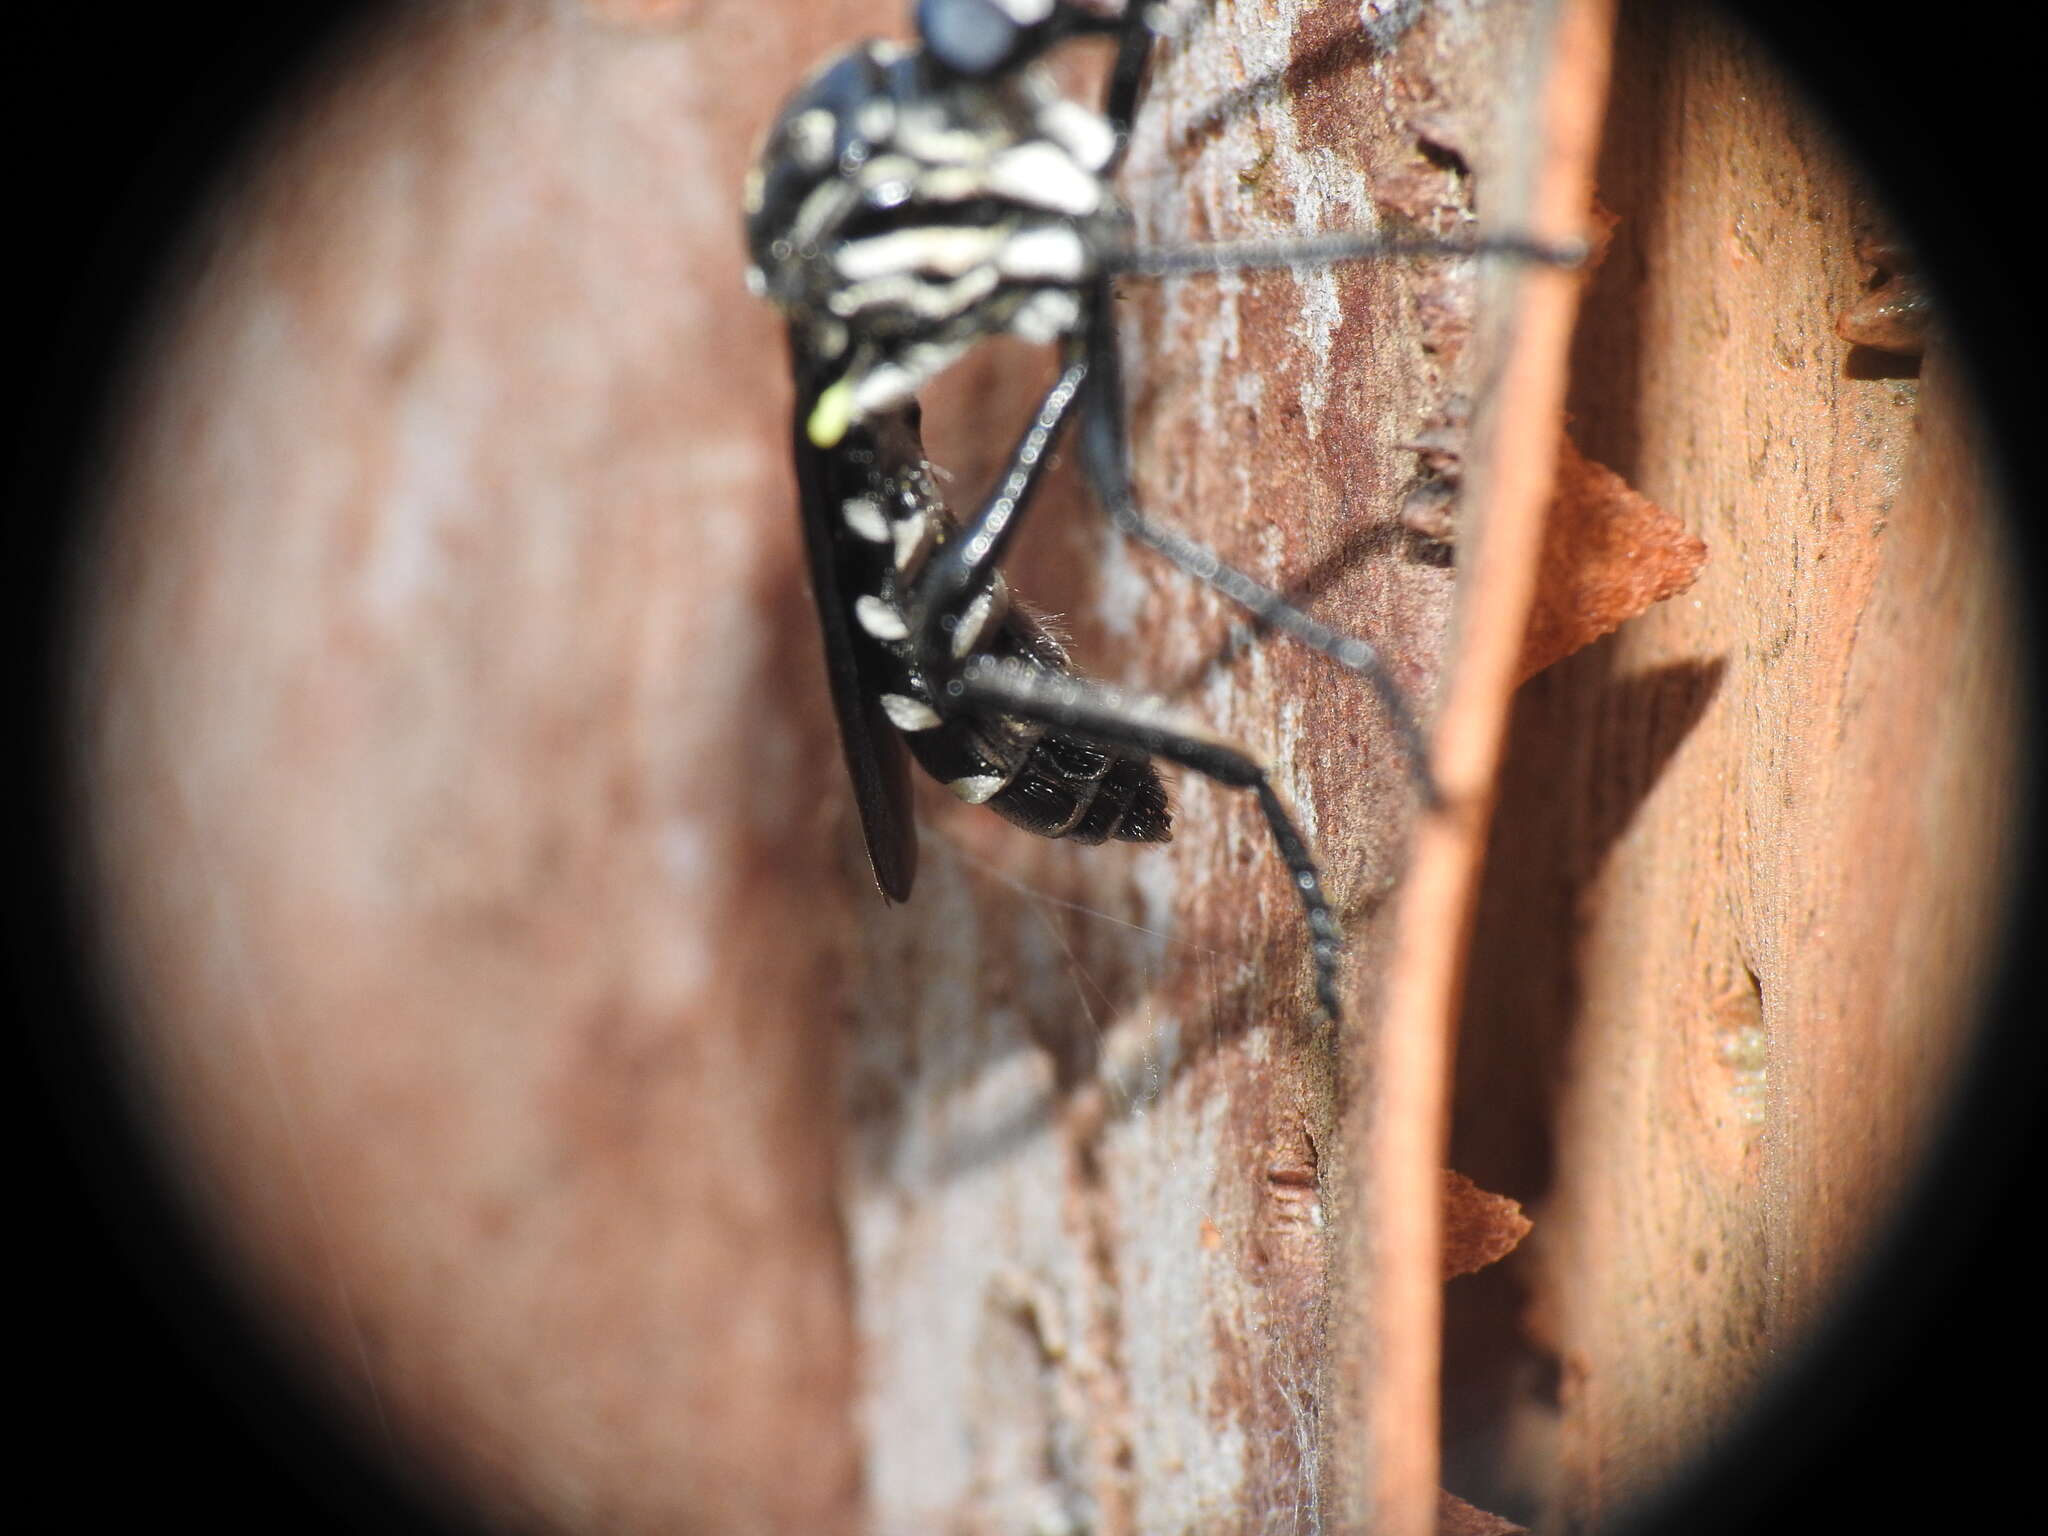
(910, 202)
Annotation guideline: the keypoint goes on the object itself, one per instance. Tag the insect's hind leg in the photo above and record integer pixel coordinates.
(1103, 458)
(1105, 715)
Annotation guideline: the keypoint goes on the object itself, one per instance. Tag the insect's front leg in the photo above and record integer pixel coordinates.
(1103, 457)
(947, 607)
(1079, 707)
(1126, 76)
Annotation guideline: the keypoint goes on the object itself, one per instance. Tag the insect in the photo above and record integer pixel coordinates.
(908, 203)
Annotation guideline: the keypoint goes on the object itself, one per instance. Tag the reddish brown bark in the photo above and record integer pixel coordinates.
(1750, 849)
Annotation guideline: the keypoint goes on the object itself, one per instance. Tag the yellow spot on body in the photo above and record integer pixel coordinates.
(831, 416)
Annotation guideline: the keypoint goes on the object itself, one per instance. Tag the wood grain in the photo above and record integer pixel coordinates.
(1749, 854)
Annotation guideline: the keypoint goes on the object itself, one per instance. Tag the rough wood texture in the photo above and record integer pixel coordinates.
(1137, 1128)
(1749, 850)
(1534, 80)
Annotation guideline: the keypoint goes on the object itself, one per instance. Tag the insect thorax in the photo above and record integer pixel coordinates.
(899, 214)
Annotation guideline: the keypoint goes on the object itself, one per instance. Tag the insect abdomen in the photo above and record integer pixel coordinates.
(1036, 777)
(1073, 789)
(1033, 776)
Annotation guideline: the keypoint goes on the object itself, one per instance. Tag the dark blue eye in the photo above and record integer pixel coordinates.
(970, 37)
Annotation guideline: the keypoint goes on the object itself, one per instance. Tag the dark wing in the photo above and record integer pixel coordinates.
(875, 759)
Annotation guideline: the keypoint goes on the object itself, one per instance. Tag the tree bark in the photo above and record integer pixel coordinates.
(1751, 852)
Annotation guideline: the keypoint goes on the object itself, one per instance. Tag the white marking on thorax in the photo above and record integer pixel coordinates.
(1042, 175)
(810, 138)
(1047, 315)
(823, 206)
(947, 250)
(885, 386)
(1050, 252)
(926, 133)
(1026, 13)
(876, 119)
(1083, 134)
(922, 297)
(953, 184)
(882, 176)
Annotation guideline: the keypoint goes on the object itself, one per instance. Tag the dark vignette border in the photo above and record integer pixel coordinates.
(151, 1393)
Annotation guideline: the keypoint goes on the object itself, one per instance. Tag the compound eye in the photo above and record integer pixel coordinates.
(969, 37)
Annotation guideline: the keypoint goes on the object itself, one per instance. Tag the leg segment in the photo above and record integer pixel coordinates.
(1106, 715)
(1103, 457)
(1127, 74)
(967, 565)
(1329, 249)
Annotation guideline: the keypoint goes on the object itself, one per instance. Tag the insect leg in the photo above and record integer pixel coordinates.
(1332, 248)
(1089, 709)
(966, 566)
(1103, 458)
(1126, 75)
